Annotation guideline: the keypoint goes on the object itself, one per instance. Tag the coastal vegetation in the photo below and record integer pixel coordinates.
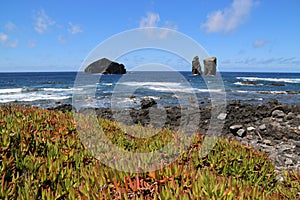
(43, 157)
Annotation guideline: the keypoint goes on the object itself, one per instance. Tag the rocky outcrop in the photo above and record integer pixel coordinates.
(210, 66)
(105, 66)
(196, 67)
(273, 127)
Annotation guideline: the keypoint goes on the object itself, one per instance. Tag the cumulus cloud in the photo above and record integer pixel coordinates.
(259, 43)
(3, 37)
(151, 20)
(74, 28)
(230, 18)
(13, 44)
(9, 26)
(42, 22)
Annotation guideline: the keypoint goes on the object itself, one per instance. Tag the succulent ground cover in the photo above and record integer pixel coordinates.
(43, 157)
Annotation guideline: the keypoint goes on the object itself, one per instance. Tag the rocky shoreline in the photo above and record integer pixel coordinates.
(273, 128)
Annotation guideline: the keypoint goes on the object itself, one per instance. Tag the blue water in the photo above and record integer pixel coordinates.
(48, 89)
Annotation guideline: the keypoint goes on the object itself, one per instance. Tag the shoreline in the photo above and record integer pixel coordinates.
(273, 128)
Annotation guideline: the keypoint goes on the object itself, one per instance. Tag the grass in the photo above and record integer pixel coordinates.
(43, 157)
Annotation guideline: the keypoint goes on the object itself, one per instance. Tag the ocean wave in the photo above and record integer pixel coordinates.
(166, 84)
(285, 80)
(23, 97)
(10, 90)
(61, 89)
(28, 90)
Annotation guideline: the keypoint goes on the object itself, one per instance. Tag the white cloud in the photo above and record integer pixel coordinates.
(13, 44)
(3, 37)
(43, 21)
(74, 28)
(229, 18)
(9, 26)
(61, 39)
(259, 43)
(151, 20)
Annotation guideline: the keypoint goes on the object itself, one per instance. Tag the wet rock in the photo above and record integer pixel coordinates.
(147, 103)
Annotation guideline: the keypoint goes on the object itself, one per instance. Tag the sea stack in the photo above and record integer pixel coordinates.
(210, 65)
(105, 66)
(196, 67)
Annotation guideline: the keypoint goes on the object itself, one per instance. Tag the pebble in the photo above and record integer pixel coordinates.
(262, 127)
(236, 127)
(241, 132)
(288, 161)
(250, 128)
(267, 142)
(222, 116)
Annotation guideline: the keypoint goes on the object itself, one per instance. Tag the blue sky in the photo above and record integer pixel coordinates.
(245, 35)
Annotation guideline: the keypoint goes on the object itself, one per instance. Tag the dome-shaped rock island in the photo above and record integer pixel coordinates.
(105, 66)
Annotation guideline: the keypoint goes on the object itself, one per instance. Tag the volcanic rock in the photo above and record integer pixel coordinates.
(196, 67)
(210, 65)
(105, 66)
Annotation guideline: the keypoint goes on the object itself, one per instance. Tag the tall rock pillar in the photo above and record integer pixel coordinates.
(210, 66)
(196, 67)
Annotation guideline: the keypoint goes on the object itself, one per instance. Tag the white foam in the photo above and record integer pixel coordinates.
(285, 80)
(10, 90)
(61, 89)
(166, 84)
(242, 83)
(25, 97)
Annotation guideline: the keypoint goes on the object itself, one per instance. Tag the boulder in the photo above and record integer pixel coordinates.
(147, 103)
(210, 66)
(278, 114)
(196, 67)
(105, 66)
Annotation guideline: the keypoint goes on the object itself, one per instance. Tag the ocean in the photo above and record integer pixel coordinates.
(50, 89)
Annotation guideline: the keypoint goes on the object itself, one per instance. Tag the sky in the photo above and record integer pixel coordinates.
(244, 35)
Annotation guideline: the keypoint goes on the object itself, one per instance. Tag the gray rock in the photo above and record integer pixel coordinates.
(222, 116)
(147, 103)
(196, 67)
(210, 66)
(105, 66)
(290, 116)
(267, 142)
(288, 161)
(250, 128)
(241, 132)
(235, 127)
(278, 114)
(262, 127)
